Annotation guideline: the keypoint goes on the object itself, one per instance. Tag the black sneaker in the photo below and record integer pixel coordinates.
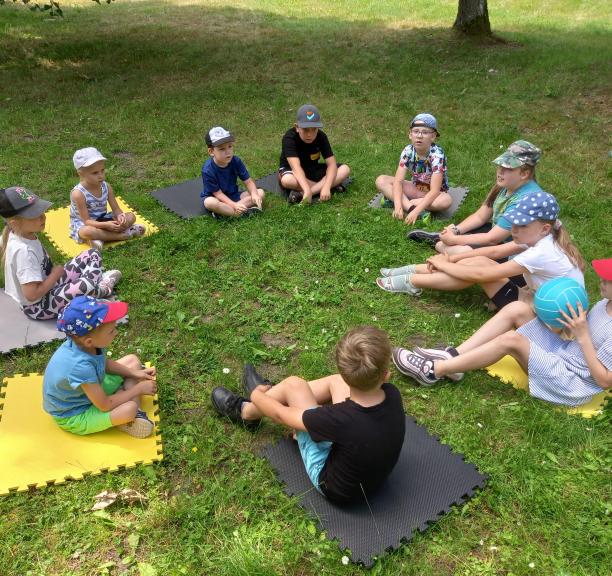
(295, 197)
(229, 405)
(251, 379)
(252, 211)
(424, 236)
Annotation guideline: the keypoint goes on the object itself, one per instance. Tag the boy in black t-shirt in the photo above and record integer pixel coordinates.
(350, 426)
(300, 170)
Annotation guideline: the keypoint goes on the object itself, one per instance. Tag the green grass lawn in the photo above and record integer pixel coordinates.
(142, 81)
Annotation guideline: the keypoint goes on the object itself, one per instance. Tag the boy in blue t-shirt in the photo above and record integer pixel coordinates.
(83, 390)
(220, 194)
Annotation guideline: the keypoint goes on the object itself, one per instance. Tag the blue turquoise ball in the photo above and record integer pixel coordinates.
(554, 296)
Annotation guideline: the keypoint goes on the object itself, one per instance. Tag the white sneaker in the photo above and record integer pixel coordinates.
(107, 283)
(435, 354)
(97, 245)
(140, 427)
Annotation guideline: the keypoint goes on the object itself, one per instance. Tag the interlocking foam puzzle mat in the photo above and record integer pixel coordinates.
(57, 229)
(184, 198)
(427, 480)
(34, 452)
(458, 195)
(509, 371)
(18, 331)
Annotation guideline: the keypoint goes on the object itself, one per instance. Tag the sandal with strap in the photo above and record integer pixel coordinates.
(398, 284)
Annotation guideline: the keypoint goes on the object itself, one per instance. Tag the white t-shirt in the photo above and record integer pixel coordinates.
(546, 261)
(25, 261)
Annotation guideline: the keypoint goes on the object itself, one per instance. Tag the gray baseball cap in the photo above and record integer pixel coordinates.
(17, 201)
(308, 116)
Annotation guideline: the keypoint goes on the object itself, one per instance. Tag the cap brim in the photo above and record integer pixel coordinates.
(505, 163)
(223, 141)
(116, 311)
(603, 268)
(35, 210)
(310, 124)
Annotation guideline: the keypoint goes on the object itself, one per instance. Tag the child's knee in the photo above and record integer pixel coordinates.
(210, 202)
(296, 382)
(130, 218)
(511, 341)
(346, 170)
(381, 181)
(132, 361)
(85, 232)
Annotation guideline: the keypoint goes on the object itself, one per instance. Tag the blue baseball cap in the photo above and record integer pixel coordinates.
(536, 206)
(425, 120)
(86, 313)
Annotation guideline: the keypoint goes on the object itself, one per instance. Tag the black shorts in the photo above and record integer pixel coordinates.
(509, 292)
(313, 173)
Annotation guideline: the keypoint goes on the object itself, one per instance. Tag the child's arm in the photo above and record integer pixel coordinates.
(496, 235)
(122, 370)
(494, 252)
(330, 176)
(288, 415)
(473, 221)
(100, 400)
(34, 291)
(253, 191)
(434, 191)
(298, 172)
(81, 205)
(112, 202)
(398, 192)
(576, 322)
(476, 274)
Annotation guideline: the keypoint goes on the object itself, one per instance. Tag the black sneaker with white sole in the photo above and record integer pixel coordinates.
(431, 238)
(415, 366)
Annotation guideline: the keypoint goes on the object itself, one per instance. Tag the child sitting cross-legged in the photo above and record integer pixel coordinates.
(83, 390)
(89, 200)
(425, 161)
(300, 171)
(350, 426)
(220, 194)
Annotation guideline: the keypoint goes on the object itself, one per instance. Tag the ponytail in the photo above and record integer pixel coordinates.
(4, 242)
(563, 240)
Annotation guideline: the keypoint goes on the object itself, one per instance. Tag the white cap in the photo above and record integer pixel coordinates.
(218, 135)
(86, 157)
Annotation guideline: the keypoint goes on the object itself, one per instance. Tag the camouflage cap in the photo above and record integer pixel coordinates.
(518, 154)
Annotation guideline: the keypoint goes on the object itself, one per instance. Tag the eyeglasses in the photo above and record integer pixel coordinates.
(418, 132)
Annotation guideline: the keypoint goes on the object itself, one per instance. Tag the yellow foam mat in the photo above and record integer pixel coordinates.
(35, 452)
(57, 229)
(509, 371)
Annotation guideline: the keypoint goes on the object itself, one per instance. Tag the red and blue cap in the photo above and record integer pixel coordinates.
(86, 313)
(603, 268)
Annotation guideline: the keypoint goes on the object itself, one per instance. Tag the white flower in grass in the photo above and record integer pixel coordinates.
(374, 318)
(109, 353)
(345, 560)
(138, 351)
(531, 564)
(306, 347)
(366, 270)
(457, 315)
(323, 330)
(479, 425)
(481, 542)
(226, 370)
(493, 548)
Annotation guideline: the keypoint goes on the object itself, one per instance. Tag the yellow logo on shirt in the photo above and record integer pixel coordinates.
(315, 156)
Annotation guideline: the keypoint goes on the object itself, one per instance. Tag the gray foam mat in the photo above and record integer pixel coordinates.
(458, 195)
(18, 331)
(184, 198)
(427, 480)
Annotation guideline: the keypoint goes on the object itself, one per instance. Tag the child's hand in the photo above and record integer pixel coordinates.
(148, 387)
(111, 226)
(398, 212)
(261, 389)
(306, 197)
(256, 198)
(239, 208)
(121, 219)
(576, 322)
(448, 236)
(145, 374)
(412, 217)
(434, 261)
(325, 194)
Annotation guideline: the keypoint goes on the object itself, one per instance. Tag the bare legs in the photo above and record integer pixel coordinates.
(384, 184)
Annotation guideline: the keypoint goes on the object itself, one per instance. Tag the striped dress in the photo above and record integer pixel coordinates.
(557, 369)
(95, 206)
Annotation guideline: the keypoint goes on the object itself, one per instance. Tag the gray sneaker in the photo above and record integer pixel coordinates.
(435, 354)
(408, 269)
(415, 366)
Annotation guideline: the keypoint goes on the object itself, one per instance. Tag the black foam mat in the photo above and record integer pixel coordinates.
(184, 198)
(427, 480)
(458, 195)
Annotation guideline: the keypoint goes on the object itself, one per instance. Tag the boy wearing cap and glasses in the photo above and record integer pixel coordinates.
(426, 161)
(83, 390)
(89, 219)
(220, 172)
(300, 171)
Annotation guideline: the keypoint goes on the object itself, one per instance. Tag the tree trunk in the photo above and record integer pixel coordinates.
(473, 18)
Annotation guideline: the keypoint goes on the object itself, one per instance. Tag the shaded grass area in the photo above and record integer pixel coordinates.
(142, 81)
